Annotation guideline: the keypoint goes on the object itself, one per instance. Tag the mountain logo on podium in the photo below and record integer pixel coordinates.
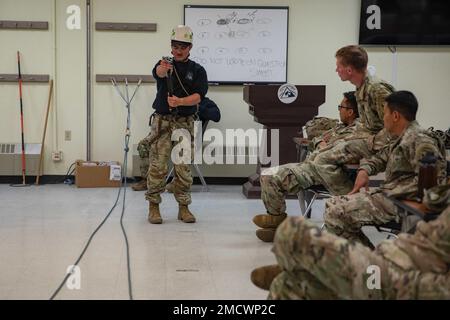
(287, 93)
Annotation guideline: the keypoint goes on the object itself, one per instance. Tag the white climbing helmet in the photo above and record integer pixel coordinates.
(182, 33)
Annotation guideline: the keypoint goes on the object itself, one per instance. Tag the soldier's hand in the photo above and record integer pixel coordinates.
(322, 145)
(165, 66)
(362, 181)
(174, 101)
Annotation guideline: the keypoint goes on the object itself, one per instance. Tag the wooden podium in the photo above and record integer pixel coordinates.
(267, 109)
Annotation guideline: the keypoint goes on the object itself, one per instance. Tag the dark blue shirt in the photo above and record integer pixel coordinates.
(194, 79)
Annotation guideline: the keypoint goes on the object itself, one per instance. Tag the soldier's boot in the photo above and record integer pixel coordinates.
(268, 220)
(262, 277)
(269, 224)
(266, 234)
(140, 186)
(154, 216)
(185, 215)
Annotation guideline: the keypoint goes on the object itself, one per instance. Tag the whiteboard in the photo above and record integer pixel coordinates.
(240, 44)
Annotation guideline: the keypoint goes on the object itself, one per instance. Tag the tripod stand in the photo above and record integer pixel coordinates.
(126, 98)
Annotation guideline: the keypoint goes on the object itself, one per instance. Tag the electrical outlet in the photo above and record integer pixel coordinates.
(57, 156)
(67, 135)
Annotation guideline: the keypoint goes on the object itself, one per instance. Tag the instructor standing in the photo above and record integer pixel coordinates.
(181, 85)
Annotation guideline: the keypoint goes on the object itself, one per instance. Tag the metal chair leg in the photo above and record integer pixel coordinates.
(302, 201)
(200, 175)
(309, 208)
(169, 174)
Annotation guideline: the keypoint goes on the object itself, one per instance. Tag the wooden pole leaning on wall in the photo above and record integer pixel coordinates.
(45, 131)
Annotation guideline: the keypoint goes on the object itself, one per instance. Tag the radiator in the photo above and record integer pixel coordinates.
(11, 158)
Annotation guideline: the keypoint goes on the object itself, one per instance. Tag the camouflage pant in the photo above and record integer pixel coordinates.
(276, 182)
(345, 215)
(159, 153)
(143, 149)
(320, 265)
(330, 164)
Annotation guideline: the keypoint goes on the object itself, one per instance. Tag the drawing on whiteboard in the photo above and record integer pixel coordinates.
(233, 18)
(203, 22)
(242, 50)
(198, 59)
(261, 73)
(203, 50)
(222, 50)
(263, 66)
(223, 22)
(202, 61)
(231, 34)
(203, 35)
(216, 60)
(240, 43)
(241, 34)
(264, 21)
(244, 21)
(221, 35)
(265, 34)
(265, 50)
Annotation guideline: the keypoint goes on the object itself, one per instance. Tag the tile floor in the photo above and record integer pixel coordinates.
(44, 228)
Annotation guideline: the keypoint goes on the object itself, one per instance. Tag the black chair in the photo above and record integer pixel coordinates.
(392, 228)
(308, 196)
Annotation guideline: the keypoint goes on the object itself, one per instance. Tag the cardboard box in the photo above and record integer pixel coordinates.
(97, 174)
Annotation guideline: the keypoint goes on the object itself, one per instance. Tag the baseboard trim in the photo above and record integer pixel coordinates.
(59, 179)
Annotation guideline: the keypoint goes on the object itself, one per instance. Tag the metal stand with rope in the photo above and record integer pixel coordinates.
(127, 101)
(122, 186)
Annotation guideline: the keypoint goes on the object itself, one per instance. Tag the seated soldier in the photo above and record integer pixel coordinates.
(276, 182)
(315, 264)
(345, 215)
(351, 65)
(346, 130)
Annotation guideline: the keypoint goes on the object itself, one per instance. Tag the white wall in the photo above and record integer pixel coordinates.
(316, 30)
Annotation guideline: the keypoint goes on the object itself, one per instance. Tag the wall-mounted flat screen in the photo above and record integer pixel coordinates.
(405, 22)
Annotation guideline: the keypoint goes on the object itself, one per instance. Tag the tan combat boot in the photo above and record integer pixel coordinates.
(140, 186)
(268, 220)
(154, 216)
(185, 215)
(266, 234)
(262, 277)
(269, 224)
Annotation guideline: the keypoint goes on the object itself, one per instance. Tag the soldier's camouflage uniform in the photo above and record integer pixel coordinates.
(292, 177)
(318, 125)
(161, 145)
(143, 149)
(340, 133)
(345, 215)
(371, 136)
(320, 265)
(188, 78)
